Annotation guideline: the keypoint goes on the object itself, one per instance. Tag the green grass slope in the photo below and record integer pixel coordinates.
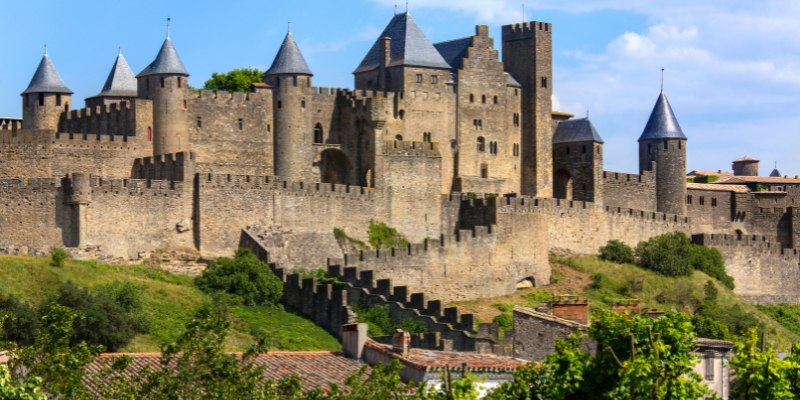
(605, 283)
(169, 302)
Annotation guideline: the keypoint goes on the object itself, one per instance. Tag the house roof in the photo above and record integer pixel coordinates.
(717, 187)
(167, 62)
(662, 123)
(716, 343)
(576, 130)
(745, 159)
(289, 59)
(454, 51)
(315, 368)
(699, 172)
(548, 317)
(742, 179)
(409, 46)
(46, 79)
(120, 81)
(434, 360)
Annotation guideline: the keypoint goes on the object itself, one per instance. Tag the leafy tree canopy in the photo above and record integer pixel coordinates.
(237, 80)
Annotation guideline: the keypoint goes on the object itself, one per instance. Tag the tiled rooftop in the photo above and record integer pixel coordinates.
(718, 187)
(434, 360)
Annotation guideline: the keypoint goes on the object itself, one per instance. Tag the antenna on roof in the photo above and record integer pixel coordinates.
(395, 9)
(662, 79)
(168, 20)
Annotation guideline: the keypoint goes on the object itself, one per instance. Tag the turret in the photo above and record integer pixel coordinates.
(577, 161)
(120, 85)
(290, 79)
(46, 98)
(663, 146)
(745, 166)
(165, 82)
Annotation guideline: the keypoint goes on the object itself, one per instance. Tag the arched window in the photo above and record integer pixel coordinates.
(401, 114)
(149, 134)
(483, 98)
(484, 171)
(495, 99)
(398, 137)
(481, 144)
(318, 133)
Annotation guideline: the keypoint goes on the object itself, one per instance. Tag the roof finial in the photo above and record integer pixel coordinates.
(168, 20)
(45, 49)
(289, 29)
(406, 6)
(587, 113)
(662, 79)
(119, 50)
(395, 9)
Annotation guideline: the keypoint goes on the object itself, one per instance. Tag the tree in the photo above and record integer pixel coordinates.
(667, 254)
(760, 374)
(237, 80)
(245, 277)
(618, 252)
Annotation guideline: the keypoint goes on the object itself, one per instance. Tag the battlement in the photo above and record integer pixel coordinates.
(647, 215)
(172, 167)
(10, 124)
(623, 178)
(14, 137)
(110, 119)
(281, 186)
(525, 30)
(229, 98)
(410, 148)
(137, 187)
(29, 184)
(760, 243)
(98, 141)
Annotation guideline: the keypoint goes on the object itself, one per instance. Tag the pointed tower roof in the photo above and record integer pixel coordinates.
(167, 62)
(576, 130)
(409, 46)
(289, 59)
(46, 79)
(662, 123)
(120, 81)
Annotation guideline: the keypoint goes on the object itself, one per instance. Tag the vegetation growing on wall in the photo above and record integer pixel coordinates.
(382, 236)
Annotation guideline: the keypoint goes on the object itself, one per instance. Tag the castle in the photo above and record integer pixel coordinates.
(455, 144)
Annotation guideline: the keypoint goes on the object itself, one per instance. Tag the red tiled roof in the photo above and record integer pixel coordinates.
(315, 368)
(745, 158)
(717, 187)
(434, 360)
(713, 342)
(699, 172)
(757, 179)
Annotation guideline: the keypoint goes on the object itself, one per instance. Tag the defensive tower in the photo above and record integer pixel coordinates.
(578, 161)
(290, 79)
(165, 82)
(120, 85)
(528, 57)
(663, 143)
(46, 98)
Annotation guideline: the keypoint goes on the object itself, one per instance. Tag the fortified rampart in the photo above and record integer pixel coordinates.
(764, 272)
(630, 190)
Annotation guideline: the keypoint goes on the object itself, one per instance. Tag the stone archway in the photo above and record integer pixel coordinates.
(335, 167)
(562, 185)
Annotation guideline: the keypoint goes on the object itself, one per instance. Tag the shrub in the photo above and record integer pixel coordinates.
(710, 328)
(666, 254)
(21, 327)
(504, 321)
(112, 314)
(58, 256)
(412, 325)
(377, 318)
(244, 276)
(384, 236)
(503, 307)
(709, 260)
(600, 281)
(734, 318)
(618, 252)
(710, 291)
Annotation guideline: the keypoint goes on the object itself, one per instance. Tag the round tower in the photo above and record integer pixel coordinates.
(745, 166)
(290, 79)
(663, 146)
(165, 82)
(46, 98)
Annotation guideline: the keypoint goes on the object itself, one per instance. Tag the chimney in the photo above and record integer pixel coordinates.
(400, 341)
(386, 51)
(354, 337)
(570, 308)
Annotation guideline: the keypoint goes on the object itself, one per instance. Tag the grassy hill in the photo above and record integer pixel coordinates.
(169, 302)
(605, 283)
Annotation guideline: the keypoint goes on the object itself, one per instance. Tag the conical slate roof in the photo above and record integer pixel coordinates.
(409, 46)
(46, 79)
(662, 123)
(289, 59)
(167, 62)
(120, 81)
(576, 130)
(775, 173)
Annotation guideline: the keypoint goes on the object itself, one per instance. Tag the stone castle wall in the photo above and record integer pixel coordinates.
(630, 190)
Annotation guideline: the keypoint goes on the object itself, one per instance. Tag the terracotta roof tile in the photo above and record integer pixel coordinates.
(718, 187)
(434, 360)
(713, 342)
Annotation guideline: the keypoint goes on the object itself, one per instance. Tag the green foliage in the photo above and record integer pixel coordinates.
(244, 276)
(710, 328)
(112, 314)
(341, 235)
(237, 80)
(381, 382)
(382, 236)
(710, 291)
(503, 307)
(667, 254)
(760, 374)
(706, 179)
(23, 320)
(738, 321)
(58, 256)
(600, 281)
(618, 252)
(504, 321)
(536, 297)
(380, 322)
(787, 315)
(709, 260)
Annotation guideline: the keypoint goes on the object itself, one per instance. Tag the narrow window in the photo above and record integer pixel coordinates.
(495, 99)
(516, 150)
(544, 82)
(147, 84)
(58, 99)
(180, 82)
(689, 199)
(185, 104)
(713, 202)
(66, 106)
(279, 104)
(401, 114)
(426, 136)
(649, 148)
(471, 98)
(26, 100)
(481, 144)
(318, 133)
(269, 128)
(398, 137)
(702, 200)
(483, 98)
(278, 81)
(149, 134)
(369, 83)
(434, 79)
(516, 92)
(419, 78)
(666, 145)
(41, 99)
(484, 171)
(294, 81)
(241, 124)
(709, 367)
(583, 149)
(567, 150)
(302, 104)
(162, 82)
(199, 122)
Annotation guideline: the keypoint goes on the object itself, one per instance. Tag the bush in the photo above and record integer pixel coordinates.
(382, 236)
(600, 281)
(21, 327)
(710, 328)
(667, 254)
(618, 252)
(503, 307)
(244, 276)
(377, 318)
(710, 291)
(504, 321)
(58, 256)
(734, 318)
(112, 314)
(709, 260)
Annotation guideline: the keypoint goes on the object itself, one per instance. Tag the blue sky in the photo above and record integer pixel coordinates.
(732, 66)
